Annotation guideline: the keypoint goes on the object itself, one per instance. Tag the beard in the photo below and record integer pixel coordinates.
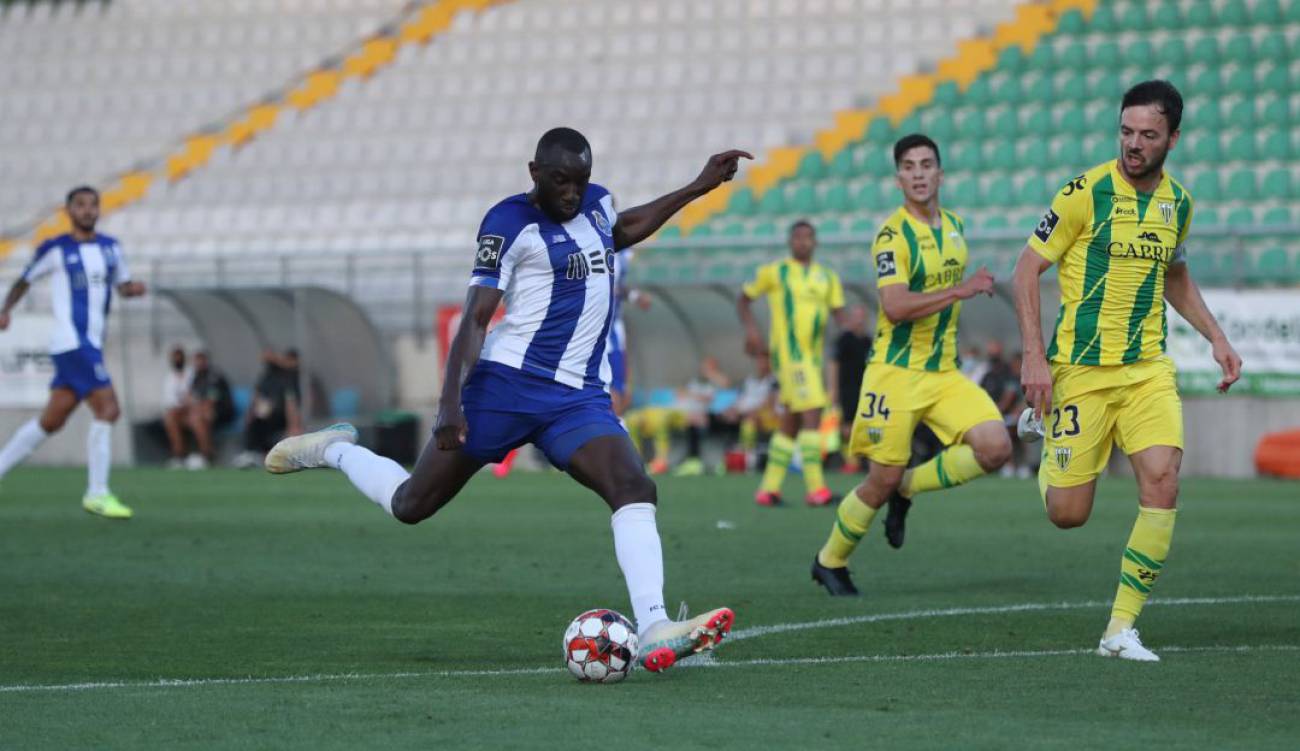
(1150, 168)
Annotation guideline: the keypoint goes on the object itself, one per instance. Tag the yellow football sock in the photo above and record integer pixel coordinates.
(748, 435)
(851, 521)
(953, 466)
(779, 451)
(810, 452)
(1144, 559)
(661, 437)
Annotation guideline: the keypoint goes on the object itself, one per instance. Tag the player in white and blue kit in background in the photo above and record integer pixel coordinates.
(542, 375)
(84, 268)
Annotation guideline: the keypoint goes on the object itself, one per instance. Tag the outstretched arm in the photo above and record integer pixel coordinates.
(1182, 293)
(16, 293)
(481, 303)
(1035, 375)
(640, 222)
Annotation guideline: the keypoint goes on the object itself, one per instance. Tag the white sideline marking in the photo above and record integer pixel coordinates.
(706, 661)
(778, 628)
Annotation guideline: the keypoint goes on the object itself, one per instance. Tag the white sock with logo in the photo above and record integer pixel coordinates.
(378, 477)
(21, 445)
(99, 456)
(640, 555)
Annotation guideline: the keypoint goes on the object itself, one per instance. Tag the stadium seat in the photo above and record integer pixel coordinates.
(1241, 186)
(1239, 49)
(1267, 12)
(835, 198)
(1072, 22)
(1207, 186)
(1276, 79)
(1173, 52)
(1205, 50)
(811, 166)
(1275, 144)
(1234, 13)
(1042, 59)
(1277, 185)
(742, 203)
(1205, 145)
(1241, 147)
(1105, 54)
(1103, 20)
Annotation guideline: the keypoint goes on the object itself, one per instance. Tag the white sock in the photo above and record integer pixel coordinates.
(21, 445)
(636, 544)
(376, 476)
(99, 456)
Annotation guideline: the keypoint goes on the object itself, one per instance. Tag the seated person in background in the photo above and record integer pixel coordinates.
(275, 407)
(211, 407)
(695, 399)
(176, 405)
(754, 409)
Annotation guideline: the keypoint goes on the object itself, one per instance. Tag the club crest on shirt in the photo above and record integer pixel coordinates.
(875, 434)
(1063, 455)
(1167, 211)
(602, 223)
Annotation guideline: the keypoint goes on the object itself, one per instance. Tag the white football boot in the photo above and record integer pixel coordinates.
(307, 451)
(666, 642)
(1029, 427)
(1127, 646)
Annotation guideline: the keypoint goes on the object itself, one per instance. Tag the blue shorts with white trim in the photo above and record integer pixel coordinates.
(80, 370)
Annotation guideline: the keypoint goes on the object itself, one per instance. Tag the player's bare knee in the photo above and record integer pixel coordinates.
(52, 424)
(1159, 490)
(992, 452)
(1066, 517)
(409, 508)
(637, 488)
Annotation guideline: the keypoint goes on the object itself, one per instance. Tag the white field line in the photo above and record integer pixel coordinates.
(706, 661)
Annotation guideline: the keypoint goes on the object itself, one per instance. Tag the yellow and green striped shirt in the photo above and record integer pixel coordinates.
(1113, 245)
(909, 251)
(800, 299)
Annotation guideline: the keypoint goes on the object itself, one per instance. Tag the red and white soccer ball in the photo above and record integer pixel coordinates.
(600, 646)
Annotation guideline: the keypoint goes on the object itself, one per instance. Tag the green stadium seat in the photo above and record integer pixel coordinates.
(1105, 54)
(765, 229)
(811, 166)
(1102, 119)
(1241, 81)
(1204, 114)
(1275, 144)
(1102, 149)
(1103, 20)
(1011, 59)
(1292, 13)
(742, 203)
(861, 153)
(1135, 18)
(1273, 46)
(835, 198)
(1241, 186)
(1277, 184)
(1205, 50)
(1207, 217)
(1205, 146)
(841, 166)
(772, 203)
(1241, 147)
(801, 198)
(1200, 15)
(1006, 124)
(1172, 52)
(1168, 17)
(1274, 265)
(1032, 152)
(909, 124)
(1267, 12)
(972, 124)
(880, 162)
(1239, 49)
(1276, 78)
(947, 94)
(938, 125)
(863, 226)
(1276, 216)
(1071, 22)
(1241, 217)
(1037, 123)
(1073, 84)
(1041, 90)
(880, 130)
(1032, 192)
(1234, 13)
(995, 221)
(964, 194)
(867, 196)
(1067, 153)
(1070, 119)
(1207, 187)
(1007, 89)
(1000, 154)
(963, 156)
(1208, 82)
(702, 231)
(1140, 53)
(1276, 113)
(1239, 113)
(1042, 58)
(1105, 85)
(830, 226)
(671, 232)
(979, 93)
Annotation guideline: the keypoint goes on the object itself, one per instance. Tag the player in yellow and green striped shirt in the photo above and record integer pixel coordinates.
(802, 296)
(912, 377)
(1117, 233)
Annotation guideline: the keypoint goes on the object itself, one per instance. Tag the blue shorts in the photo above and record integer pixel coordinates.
(618, 371)
(81, 370)
(506, 408)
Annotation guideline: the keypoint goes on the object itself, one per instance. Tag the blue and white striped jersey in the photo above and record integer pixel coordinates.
(617, 331)
(82, 277)
(558, 285)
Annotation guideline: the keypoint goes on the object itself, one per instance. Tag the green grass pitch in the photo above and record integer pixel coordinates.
(239, 610)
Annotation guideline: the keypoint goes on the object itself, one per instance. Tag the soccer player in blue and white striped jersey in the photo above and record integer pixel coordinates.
(84, 268)
(542, 375)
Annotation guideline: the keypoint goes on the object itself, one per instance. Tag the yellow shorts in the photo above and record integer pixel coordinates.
(1096, 406)
(895, 400)
(803, 385)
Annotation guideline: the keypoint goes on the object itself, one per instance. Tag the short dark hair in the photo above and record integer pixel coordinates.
(78, 191)
(566, 140)
(1162, 94)
(911, 141)
(802, 223)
